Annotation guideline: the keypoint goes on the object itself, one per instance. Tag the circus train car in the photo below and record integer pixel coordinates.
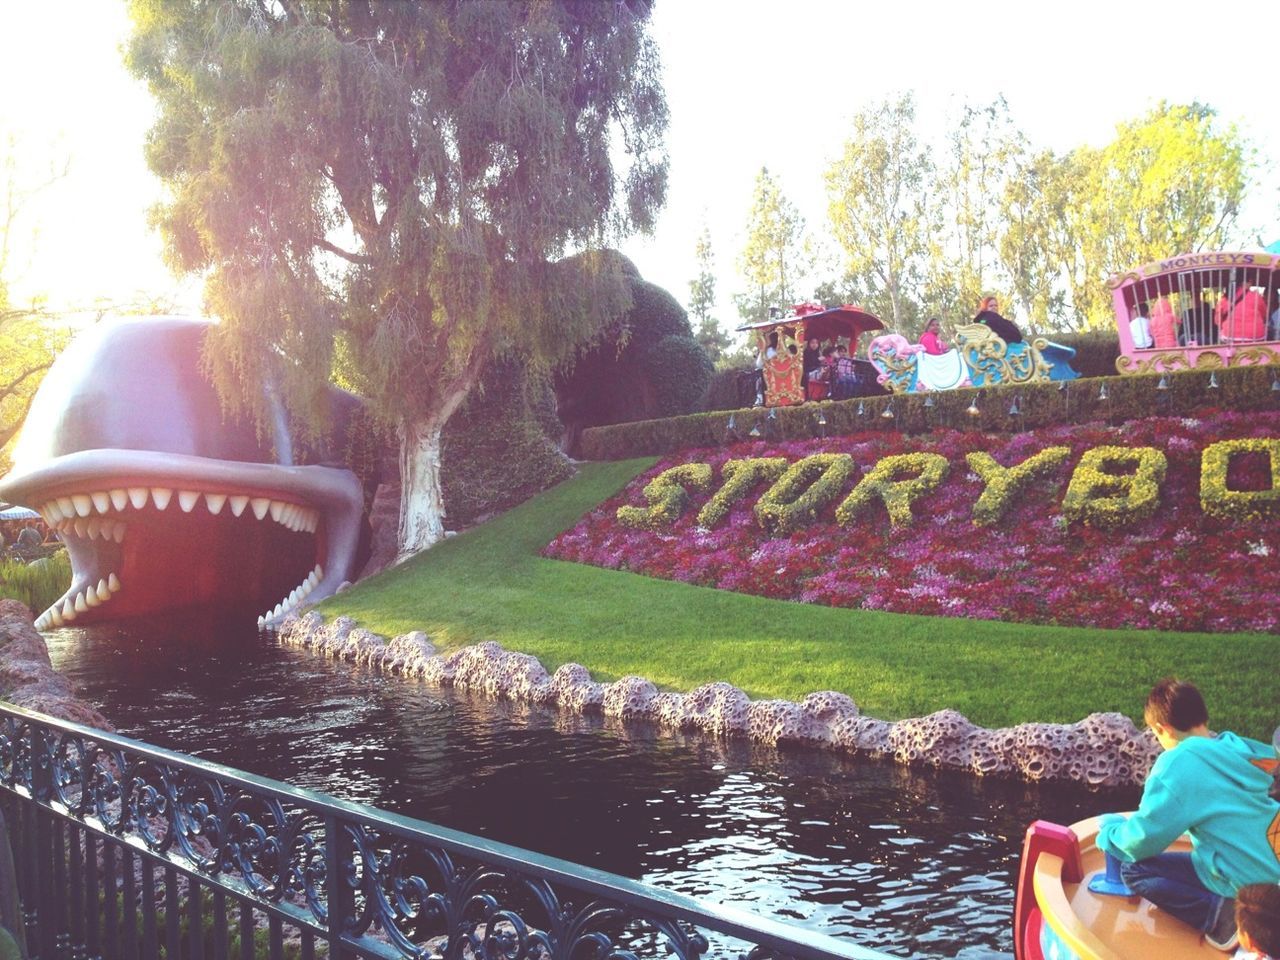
(780, 342)
(1062, 912)
(1198, 311)
(980, 358)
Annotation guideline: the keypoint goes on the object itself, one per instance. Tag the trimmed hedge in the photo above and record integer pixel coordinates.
(989, 409)
(1096, 351)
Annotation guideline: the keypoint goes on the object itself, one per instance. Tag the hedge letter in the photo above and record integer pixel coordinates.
(740, 477)
(1003, 484)
(1102, 497)
(1218, 501)
(881, 482)
(800, 494)
(667, 496)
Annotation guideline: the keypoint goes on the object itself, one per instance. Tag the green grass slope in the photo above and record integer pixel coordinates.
(490, 584)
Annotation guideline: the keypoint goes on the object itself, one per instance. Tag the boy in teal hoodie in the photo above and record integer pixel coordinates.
(1213, 787)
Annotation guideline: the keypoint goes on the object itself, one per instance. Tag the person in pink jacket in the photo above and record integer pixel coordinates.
(1164, 325)
(930, 339)
(1244, 317)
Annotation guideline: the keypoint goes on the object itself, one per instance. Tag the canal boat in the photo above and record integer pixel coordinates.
(1198, 311)
(1057, 916)
(980, 358)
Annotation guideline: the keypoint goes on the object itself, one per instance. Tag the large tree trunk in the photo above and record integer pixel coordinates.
(421, 502)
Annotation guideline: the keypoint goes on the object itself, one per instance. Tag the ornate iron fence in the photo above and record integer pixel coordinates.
(127, 850)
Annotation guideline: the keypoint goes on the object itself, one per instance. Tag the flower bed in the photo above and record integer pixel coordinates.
(1171, 565)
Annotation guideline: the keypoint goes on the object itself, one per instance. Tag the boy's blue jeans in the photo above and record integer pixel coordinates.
(1170, 882)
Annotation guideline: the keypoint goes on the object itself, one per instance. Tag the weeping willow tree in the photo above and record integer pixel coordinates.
(409, 184)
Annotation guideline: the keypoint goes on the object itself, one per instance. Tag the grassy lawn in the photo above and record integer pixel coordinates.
(490, 584)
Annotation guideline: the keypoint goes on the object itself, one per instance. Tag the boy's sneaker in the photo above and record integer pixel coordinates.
(1222, 935)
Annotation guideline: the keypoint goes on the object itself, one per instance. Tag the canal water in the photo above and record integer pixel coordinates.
(916, 863)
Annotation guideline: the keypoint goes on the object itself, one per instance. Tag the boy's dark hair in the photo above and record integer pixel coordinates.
(829, 352)
(1258, 915)
(1144, 309)
(1175, 704)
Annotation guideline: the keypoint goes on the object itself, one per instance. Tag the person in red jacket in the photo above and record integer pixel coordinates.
(1244, 316)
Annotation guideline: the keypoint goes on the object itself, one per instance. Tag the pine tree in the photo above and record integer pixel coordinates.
(702, 300)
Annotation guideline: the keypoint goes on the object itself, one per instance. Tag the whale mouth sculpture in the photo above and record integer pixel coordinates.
(152, 530)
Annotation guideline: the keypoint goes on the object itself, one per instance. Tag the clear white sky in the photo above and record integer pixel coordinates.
(749, 83)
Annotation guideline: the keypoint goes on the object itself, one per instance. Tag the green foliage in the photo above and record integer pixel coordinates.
(724, 388)
(702, 300)
(1218, 500)
(737, 479)
(410, 176)
(647, 366)
(1004, 484)
(986, 409)
(667, 495)
(770, 261)
(802, 492)
(496, 450)
(490, 584)
(1096, 351)
(1113, 487)
(877, 193)
(924, 473)
(37, 584)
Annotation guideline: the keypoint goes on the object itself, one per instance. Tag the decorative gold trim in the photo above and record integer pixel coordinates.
(1171, 361)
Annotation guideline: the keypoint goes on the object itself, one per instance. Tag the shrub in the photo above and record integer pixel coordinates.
(1096, 351)
(1039, 405)
(667, 496)
(738, 478)
(801, 493)
(1003, 484)
(495, 452)
(882, 482)
(679, 370)
(1249, 505)
(36, 584)
(1101, 496)
(725, 391)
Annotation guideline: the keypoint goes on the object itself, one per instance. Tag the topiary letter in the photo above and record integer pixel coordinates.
(1102, 497)
(881, 482)
(1249, 505)
(667, 496)
(801, 493)
(739, 477)
(1003, 484)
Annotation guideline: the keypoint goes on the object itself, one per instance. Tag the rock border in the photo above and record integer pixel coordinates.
(1102, 750)
(27, 677)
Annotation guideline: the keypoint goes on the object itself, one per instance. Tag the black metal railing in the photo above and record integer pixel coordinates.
(127, 850)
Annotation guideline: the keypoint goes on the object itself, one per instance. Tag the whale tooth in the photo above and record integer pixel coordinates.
(80, 606)
(117, 532)
(119, 498)
(277, 510)
(187, 499)
(278, 610)
(138, 497)
(91, 596)
(260, 506)
(161, 496)
(319, 573)
(92, 527)
(262, 621)
(82, 503)
(68, 610)
(81, 529)
(66, 506)
(312, 578)
(55, 615)
(101, 502)
(103, 592)
(51, 513)
(238, 503)
(113, 583)
(214, 502)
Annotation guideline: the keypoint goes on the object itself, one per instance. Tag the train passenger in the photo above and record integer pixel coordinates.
(1244, 317)
(1005, 329)
(1140, 327)
(1164, 325)
(815, 385)
(930, 339)
(1258, 919)
(1212, 786)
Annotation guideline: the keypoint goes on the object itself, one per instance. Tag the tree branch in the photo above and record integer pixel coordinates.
(8, 388)
(344, 254)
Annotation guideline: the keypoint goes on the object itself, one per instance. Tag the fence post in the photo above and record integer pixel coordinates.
(46, 896)
(340, 900)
